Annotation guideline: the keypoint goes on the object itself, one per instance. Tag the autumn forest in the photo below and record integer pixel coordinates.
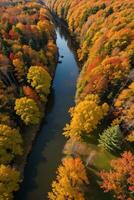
(67, 100)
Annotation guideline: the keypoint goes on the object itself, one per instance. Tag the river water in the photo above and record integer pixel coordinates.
(47, 150)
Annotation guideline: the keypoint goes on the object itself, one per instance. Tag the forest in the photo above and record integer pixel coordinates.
(28, 55)
(102, 122)
(98, 155)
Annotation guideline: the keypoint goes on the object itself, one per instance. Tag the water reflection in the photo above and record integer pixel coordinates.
(47, 150)
(64, 33)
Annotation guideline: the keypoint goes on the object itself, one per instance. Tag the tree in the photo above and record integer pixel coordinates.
(39, 79)
(28, 110)
(124, 106)
(20, 69)
(5, 119)
(9, 182)
(5, 48)
(120, 179)
(32, 44)
(10, 143)
(130, 137)
(86, 115)
(115, 67)
(109, 12)
(111, 139)
(71, 176)
(8, 26)
(30, 93)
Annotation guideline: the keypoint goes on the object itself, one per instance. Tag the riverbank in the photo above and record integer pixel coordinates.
(31, 132)
(46, 153)
(30, 136)
(28, 57)
(100, 131)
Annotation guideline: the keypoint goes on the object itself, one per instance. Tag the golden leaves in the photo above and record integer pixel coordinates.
(28, 110)
(71, 176)
(86, 115)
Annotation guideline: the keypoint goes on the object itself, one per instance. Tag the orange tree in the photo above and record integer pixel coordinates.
(71, 176)
(120, 179)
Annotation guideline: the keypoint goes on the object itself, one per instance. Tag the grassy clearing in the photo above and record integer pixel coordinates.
(101, 161)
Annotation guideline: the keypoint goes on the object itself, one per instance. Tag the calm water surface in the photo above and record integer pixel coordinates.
(47, 150)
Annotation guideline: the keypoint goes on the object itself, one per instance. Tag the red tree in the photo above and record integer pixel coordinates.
(120, 179)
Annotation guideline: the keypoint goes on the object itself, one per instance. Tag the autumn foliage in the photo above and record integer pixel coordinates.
(11, 143)
(28, 110)
(120, 179)
(71, 177)
(86, 115)
(104, 32)
(39, 79)
(27, 38)
(124, 107)
(9, 182)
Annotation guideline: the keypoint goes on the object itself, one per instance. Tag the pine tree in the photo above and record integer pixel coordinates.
(111, 138)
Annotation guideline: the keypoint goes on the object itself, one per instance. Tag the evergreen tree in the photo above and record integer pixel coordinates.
(111, 138)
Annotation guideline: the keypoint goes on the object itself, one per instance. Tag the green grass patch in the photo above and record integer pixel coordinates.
(101, 161)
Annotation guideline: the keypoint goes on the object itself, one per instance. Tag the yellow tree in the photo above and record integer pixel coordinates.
(39, 79)
(9, 182)
(20, 69)
(86, 115)
(71, 177)
(10, 143)
(28, 110)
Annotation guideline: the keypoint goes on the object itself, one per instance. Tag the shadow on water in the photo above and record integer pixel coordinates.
(47, 150)
(64, 33)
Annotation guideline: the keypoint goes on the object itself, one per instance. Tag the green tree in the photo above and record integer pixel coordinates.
(32, 44)
(5, 48)
(111, 139)
(8, 26)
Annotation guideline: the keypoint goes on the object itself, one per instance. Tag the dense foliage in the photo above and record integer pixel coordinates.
(28, 110)
(71, 176)
(10, 143)
(39, 79)
(85, 116)
(28, 56)
(120, 179)
(9, 182)
(104, 31)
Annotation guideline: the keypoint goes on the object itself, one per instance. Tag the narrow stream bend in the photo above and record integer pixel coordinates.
(47, 150)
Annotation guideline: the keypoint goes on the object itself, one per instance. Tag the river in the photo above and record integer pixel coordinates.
(47, 150)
